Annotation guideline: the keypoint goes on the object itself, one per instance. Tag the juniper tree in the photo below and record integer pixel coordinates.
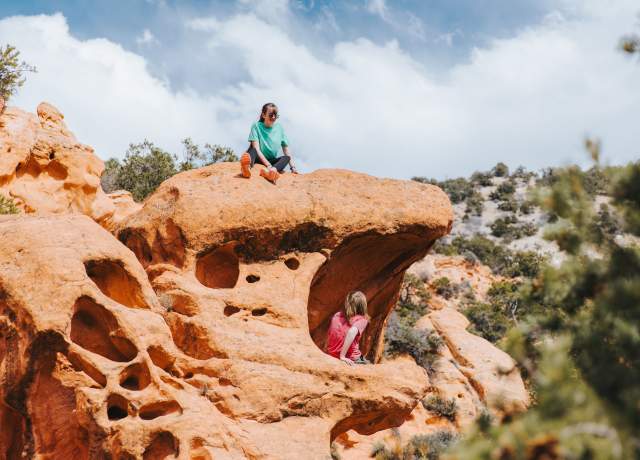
(12, 71)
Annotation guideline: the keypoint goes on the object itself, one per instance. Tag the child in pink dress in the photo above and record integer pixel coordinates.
(346, 328)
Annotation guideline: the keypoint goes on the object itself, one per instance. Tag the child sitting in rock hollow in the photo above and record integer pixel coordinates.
(346, 328)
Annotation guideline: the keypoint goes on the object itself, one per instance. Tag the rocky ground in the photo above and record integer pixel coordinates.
(191, 326)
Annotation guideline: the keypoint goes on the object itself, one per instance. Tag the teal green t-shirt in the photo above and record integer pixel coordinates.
(270, 139)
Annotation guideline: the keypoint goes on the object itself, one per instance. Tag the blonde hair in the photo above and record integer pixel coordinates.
(355, 304)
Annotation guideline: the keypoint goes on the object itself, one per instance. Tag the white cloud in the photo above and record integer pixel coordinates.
(529, 99)
(378, 7)
(147, 38)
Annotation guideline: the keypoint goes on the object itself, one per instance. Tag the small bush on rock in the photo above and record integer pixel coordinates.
(8, 206)
(446, 408)
(401, 337)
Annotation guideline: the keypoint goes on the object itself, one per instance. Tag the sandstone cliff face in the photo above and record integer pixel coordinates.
(45, 169)
(207, 345)
(195, 329)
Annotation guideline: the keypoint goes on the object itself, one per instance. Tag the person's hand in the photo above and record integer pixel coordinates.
(347, 360)
(294, 170)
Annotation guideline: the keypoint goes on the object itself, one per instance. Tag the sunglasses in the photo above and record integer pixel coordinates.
(273, 115)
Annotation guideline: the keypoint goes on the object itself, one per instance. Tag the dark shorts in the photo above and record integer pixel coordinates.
(279, 163)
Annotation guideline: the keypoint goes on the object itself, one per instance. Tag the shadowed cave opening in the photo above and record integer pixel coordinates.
(371, 263)
(93, 328)
(115, 282)
(135, 377)
(163, 445)
(219, 268)
(117, 407)
(159, 409)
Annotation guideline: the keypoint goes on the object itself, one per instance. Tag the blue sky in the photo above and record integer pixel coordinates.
(394, 88)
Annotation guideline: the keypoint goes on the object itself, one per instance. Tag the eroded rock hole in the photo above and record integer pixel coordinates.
(231, 310)
(94, 328)
(253, 278)
(135, 377)
(292, 263)
(219, 269)
(374, 264)
(191, 338)
(259, 312)
(161, 358)
(81, 364)
(163, 445)
(115, 282)
(117, 407)
(159, 409)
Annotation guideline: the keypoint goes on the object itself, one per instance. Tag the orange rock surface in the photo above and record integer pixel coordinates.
(191, 326)
(45, 170)
(207, 345)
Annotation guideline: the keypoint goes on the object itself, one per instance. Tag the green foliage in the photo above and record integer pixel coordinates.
(446, 408)
(193, 157)
(12, 71)
(401, 337)
(484, 179)
(8, 206)
(502, 260)
(500, 170)
(504, 191)
(458, 189)
(445, 288)
(145, 166)
(505, 227)
(526, 207)
(492, 319)
(475, 204)
(143, 169)
(412, 304)
(509, 205)
(420, 447)
(580, 344)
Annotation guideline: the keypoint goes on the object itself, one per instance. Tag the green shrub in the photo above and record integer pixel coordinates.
(503, 191)
(146, 166)
(500, 170)
(408, 309)
(12, 71)
(484, 179)
(458, 189)
(401, 337)
(500, 259)
(504, 227)
(475, 204)
(445, 288)
(446, 408)
(419, 447)
(8, 206)
(510, 205)
(526, 207)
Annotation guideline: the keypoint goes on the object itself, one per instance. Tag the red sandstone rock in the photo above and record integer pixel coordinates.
(45, 170)
(219, 361)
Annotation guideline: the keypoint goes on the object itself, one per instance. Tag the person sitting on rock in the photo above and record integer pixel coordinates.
(265, 139)
(346, 328)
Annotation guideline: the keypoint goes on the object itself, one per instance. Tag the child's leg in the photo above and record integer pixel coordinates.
(281, 163)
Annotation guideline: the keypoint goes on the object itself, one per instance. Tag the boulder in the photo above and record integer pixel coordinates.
(45, 170)
(205, 339)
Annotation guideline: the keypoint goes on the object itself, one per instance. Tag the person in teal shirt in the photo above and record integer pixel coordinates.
(265, 141)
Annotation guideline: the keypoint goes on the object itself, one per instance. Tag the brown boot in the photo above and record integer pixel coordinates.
(271, 175)
(245, 165)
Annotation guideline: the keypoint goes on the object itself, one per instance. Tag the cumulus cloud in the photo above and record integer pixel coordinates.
(529, 99)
